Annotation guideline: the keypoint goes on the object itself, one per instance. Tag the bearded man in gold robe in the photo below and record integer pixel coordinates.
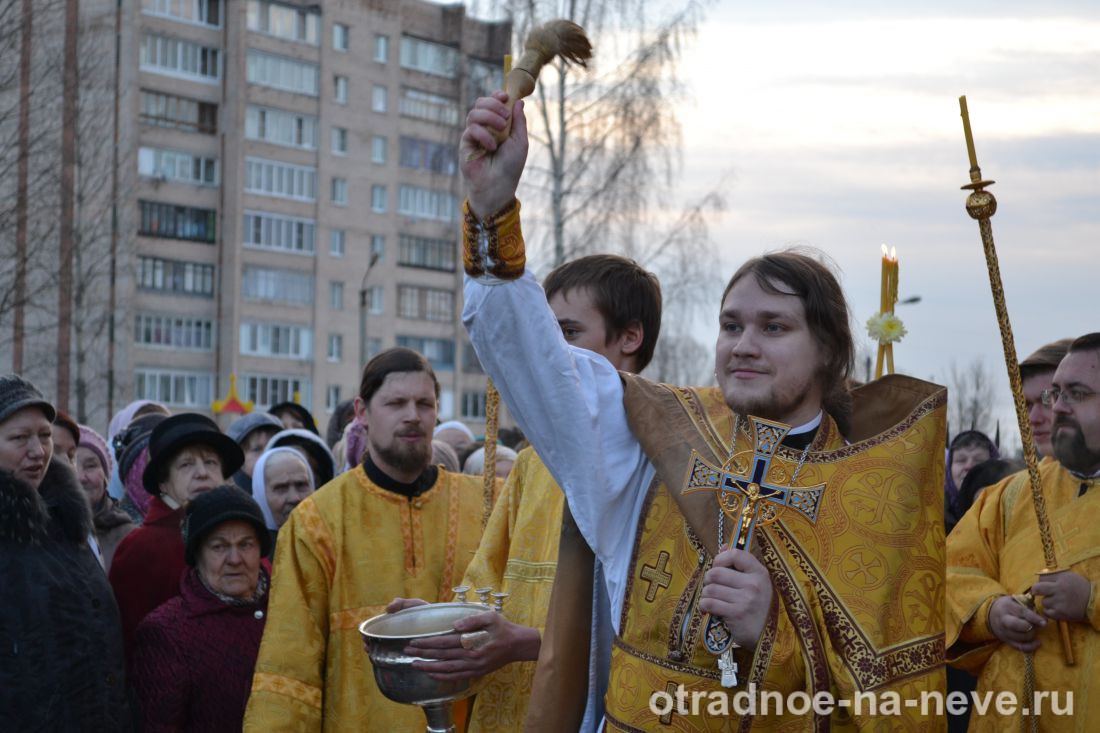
(841, 592)
(995, 552)
(393, 526)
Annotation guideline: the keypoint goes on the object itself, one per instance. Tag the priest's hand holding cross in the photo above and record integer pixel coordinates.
(738, 589)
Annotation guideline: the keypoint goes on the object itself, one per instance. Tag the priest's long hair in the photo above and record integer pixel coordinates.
(804, 272)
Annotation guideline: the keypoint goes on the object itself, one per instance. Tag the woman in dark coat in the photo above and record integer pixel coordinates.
(194, 656)
(61, 663)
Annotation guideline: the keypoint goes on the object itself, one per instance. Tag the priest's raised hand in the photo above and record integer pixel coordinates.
(492, 170)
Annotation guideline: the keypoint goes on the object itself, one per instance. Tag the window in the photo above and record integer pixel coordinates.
(175, 332)
(283, 21)
(430, 156)
(340, 89)
(426, 203)
(173, 165)
(279, 127)
(335, 347)
(339, 191)
(340, 36)
(482, 78)
(432, 254)
(470, 363)
(378, 198)
(177, 222)
(473, 404)
(181, 113)
(427, 106)
(378, 246)
(202, 12)
(282, 180)
(339, 141)
(175, 276)
(279, 232)
(332, 397)
(381, 48)
(282, 72)
(378, 149)
(278, 340)
(176, 388)
(176, 57)
(374, 347)
(439, 352)
(378, 98)
(336, 295)
(375, 300)
(276, 286)
(446, 404)
(337, 241)
(427, 304)
(267, 390)
(431, 58)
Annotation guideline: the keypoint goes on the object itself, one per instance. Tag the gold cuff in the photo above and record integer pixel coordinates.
(495, 246)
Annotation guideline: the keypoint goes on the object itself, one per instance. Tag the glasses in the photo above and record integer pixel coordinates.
(1070, 396)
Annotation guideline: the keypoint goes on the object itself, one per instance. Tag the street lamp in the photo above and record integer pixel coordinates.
(363, 310)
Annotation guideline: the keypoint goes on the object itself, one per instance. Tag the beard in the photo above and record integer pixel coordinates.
(406, 457)
(772, 404)
(1070, 447)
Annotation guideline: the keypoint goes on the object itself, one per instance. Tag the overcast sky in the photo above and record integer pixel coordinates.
(838, 126)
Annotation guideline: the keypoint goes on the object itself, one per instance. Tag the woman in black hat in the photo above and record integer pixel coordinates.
(194, 656)
(188, 456)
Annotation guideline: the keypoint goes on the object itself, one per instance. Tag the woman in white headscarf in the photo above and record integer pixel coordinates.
(281, 480)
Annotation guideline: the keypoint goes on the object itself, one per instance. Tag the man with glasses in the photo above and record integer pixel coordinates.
(995, 552)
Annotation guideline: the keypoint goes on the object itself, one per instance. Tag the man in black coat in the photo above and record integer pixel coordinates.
(61, 663)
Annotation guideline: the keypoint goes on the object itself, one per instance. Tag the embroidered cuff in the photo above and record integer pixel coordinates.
(976, 629)
(494, 246)
(1092, 613)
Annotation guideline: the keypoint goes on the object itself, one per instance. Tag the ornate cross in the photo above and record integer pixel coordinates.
(656, 575)
(746, 493)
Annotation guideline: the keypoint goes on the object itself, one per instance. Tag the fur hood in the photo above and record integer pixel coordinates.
(58, 511)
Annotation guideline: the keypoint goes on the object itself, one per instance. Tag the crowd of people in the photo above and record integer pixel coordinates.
(784, 530)
(137, 567)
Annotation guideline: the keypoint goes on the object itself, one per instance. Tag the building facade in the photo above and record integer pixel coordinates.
(289, 201)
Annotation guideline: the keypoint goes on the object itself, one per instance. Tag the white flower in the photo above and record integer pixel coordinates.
(886, 328)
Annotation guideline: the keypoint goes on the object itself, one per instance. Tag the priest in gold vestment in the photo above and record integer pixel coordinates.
(995, 551)
(610, 306)
(393, 526)
(844, 599)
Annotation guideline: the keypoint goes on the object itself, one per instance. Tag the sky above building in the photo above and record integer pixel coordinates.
(836, 126)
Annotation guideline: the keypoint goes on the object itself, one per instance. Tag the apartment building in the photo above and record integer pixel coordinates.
(291, 197)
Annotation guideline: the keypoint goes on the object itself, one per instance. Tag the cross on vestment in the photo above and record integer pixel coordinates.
(745, 493)
(748, 497)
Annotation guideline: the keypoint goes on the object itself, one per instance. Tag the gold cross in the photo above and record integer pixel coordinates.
(671, 688)
(656, 576)
(745, 493)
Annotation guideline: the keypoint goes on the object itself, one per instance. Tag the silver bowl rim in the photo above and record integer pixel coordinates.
(409, 611)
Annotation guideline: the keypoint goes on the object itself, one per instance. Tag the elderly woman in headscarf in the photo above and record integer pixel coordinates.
(133, 457)
(281, 480)
(194, 655)
(313, 447)
(967, 450)
(115, 430)
(93, 466)
(506, 458)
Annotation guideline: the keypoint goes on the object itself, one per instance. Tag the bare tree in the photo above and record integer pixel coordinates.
(970, 397)
(605, 159)
(50, 286)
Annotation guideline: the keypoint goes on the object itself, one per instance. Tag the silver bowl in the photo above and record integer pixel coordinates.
(386, 637)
